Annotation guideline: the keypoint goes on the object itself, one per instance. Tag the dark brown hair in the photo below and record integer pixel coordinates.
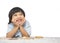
(13, 11)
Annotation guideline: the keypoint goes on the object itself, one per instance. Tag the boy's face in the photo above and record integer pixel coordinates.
(18, 18)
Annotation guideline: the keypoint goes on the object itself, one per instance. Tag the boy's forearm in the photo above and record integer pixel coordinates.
(24, 33)
(12, 33)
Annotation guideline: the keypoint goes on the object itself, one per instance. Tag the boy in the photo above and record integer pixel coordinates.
(18, 26)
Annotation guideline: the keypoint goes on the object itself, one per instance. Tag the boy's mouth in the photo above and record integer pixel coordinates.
(19, 20)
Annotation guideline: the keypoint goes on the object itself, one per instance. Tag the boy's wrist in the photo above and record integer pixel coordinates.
(16, 26)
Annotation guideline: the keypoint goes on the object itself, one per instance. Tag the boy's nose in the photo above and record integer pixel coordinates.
(19, 16)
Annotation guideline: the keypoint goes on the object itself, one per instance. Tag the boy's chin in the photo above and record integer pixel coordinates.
(19, 22)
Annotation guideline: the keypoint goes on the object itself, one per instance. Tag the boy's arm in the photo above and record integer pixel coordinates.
(12, 32)
(23, 31)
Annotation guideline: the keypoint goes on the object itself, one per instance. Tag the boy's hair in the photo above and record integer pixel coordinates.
(13, 11)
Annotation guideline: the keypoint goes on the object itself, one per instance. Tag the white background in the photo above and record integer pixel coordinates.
(43, 15)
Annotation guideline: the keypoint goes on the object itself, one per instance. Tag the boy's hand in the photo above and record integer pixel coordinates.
(18, 22)
(22, 22)
(15, 23)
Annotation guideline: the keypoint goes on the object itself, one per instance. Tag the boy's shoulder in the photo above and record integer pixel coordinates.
(26, 22)
(10, 25)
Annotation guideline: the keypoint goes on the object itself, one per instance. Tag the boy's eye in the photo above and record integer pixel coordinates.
(21, 14)
(15, 15)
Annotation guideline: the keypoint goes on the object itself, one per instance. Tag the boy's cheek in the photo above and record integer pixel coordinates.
(23, 22)
(13, 20)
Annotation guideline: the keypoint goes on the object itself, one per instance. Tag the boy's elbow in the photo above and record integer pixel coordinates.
(8, 36)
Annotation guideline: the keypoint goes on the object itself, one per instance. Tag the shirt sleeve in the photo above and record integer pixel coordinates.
(28, 28)
(10, 27)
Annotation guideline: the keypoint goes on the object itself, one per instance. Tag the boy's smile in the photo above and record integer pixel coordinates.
(19, 20)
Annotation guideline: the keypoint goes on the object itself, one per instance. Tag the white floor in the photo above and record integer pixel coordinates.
(40, 40)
